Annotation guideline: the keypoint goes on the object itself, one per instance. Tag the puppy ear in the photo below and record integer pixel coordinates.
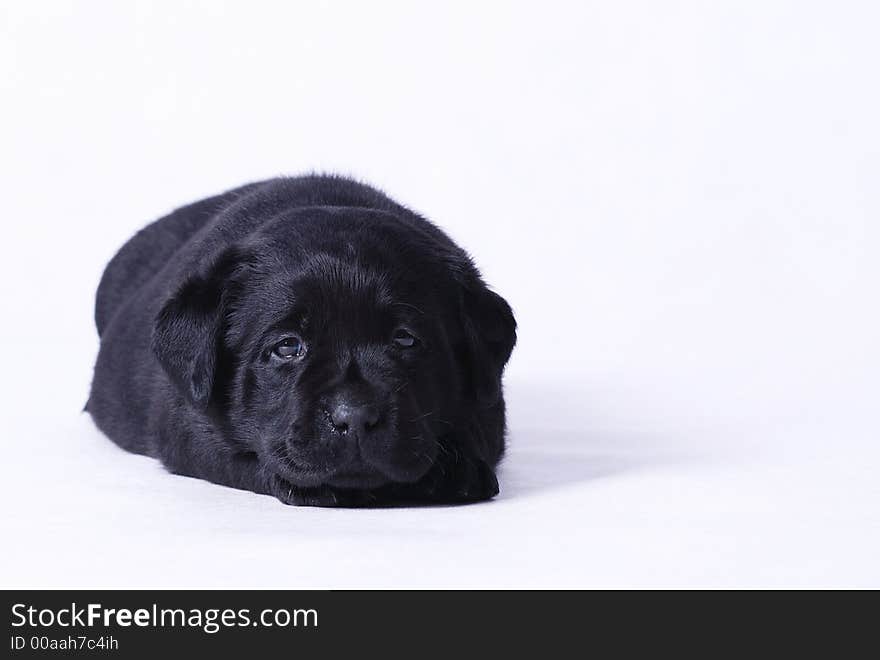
(490, 335)
(188, 328)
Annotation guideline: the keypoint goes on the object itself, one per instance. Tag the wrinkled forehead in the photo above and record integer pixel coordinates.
(326, 287)
(325, 291)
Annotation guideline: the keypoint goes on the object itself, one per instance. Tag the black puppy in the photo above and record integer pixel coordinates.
(307, 338)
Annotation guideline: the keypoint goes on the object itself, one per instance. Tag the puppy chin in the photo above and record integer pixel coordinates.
(348, 465)
(356, 479)
(365, 476)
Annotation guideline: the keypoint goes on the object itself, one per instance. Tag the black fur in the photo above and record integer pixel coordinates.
(307, 338)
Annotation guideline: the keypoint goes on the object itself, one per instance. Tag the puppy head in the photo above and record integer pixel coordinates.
(344, 358)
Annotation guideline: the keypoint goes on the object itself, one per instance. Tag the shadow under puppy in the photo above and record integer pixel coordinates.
(307, 338)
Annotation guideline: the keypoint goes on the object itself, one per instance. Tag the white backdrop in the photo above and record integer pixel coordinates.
(680, 200)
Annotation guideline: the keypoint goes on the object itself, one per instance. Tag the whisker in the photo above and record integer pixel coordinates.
(440, 447)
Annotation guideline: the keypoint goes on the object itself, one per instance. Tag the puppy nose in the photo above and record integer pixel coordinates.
(349, 416)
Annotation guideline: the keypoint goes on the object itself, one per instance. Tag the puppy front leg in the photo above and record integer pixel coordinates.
(190, 456)
(220, 465)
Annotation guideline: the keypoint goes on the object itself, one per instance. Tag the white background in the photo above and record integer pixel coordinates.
(679, 199)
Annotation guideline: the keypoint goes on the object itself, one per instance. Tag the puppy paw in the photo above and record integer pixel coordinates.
(464, 479)
(476, 481)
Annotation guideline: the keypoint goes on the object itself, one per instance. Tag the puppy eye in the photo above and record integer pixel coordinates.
(403, 338)
(289, 348)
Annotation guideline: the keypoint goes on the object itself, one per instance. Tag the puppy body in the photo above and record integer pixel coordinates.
(307, 338)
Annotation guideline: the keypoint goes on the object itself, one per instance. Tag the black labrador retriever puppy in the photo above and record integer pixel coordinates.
(307, 338)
